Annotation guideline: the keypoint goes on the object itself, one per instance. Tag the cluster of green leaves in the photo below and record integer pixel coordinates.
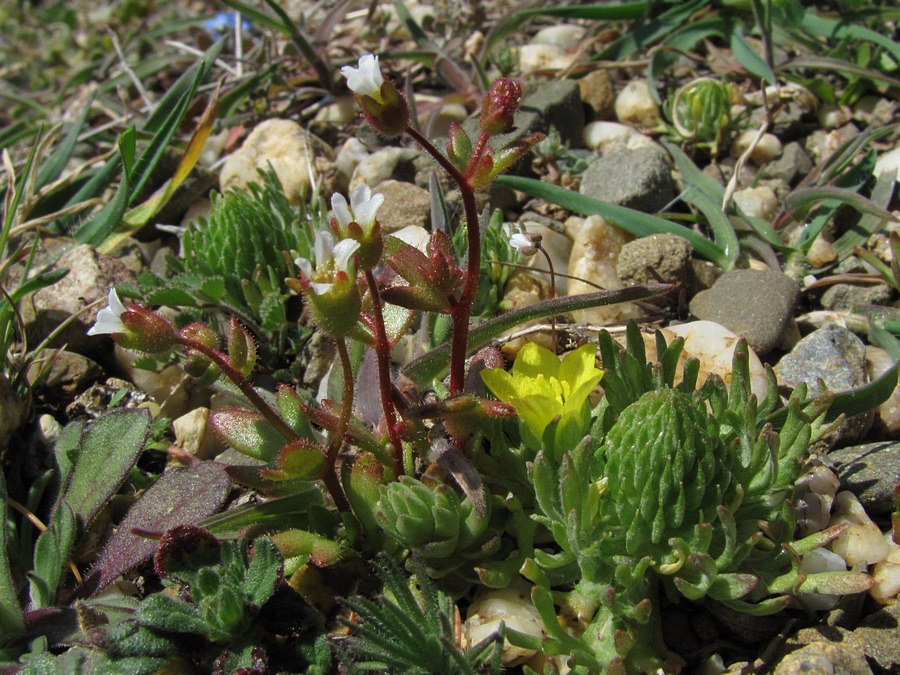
(669, 490)
(412, 628)
(700, 113)
(235, 602)
(92, 462)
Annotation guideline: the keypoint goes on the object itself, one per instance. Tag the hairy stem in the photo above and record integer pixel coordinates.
(241, 382)
(383, 355)
(463, 309)
(336, 438)
(552, 292)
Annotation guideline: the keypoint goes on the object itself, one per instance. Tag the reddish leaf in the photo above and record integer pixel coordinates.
(180, 496)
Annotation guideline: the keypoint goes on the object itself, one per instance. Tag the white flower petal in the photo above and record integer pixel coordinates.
(114, 303)
(320, 288)
(323, 247)
(341, 210)
(360, 195)
(343, 251)
(108, 319)
(365, 79)
(365, 213)
(306, 268)
(519, 242)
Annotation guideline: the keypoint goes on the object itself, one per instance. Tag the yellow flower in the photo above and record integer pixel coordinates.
(542, 387)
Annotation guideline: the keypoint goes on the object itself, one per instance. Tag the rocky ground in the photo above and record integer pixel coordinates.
(803, 313)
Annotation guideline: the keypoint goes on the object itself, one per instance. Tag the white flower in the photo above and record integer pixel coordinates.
(366, 80)
(109, 318)
(331, 259)
(525, 244)
(363, 207)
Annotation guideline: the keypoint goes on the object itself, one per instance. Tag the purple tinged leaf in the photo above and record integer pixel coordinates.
(180, 496)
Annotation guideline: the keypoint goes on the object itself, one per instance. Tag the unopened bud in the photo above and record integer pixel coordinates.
(499, 106)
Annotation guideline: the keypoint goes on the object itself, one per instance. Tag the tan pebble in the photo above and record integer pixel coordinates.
(594, 256)
(635, 106)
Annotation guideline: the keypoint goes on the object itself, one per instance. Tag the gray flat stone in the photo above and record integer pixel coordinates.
(756, 304)
(639, 179)
(846, 297)
(836, 357)
(870, 472)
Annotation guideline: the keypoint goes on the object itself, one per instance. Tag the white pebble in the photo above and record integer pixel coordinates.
(887, 574)
(757, 202)
(768, 148)
(564, 36)
(889, 161)
(862, 542)
(821, 560)
(832, 116)
(514, 608)
(635, 106)
(713, 345)
(604, 135)
(537, 57)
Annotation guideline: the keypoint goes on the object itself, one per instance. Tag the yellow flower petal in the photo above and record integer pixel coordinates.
(533, 360)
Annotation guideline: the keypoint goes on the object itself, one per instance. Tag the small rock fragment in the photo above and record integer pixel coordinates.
(756, 304)
(634, 105)
(294, 154)
(638, 179)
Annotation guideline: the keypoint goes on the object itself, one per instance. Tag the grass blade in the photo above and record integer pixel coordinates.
(426, 368)
(634, 222)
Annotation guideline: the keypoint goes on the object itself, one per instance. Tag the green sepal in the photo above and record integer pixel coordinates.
(241, 348)
(362, 480)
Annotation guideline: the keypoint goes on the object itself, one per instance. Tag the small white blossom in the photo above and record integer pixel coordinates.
(363, 207)
(525, 244)
(109, 318)
(365, 80)
(331, 258)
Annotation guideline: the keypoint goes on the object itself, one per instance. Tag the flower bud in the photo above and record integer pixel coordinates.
(383, 105)
(499, 106)
(196, 364)
(134, 327)
(146, 331)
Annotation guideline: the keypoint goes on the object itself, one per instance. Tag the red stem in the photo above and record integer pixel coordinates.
(243, 384)
(383, 354)
(336, 438)
(463, 309)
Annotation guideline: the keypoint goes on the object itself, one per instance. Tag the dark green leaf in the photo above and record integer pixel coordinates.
(51, 552)
(170, 615)
(110, 446)
(263, 572)
(749, 59)
(11, 619)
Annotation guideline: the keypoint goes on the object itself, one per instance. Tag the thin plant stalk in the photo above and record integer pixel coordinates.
(552, 293)
(243, 384)
(463, 308)
(336, 438)
(382, 353)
